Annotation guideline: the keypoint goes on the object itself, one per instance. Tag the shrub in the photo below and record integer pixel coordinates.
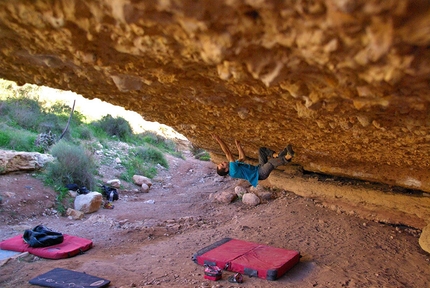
(62, 111)
(85, 133)
(116, 127)
(150, 155)
(49, 122)
(22, 140)
(91, 146)
(73, 165)
(169, 145)
(16, 139)
(24, 112)
(150, 138)
(204, 157)
(200, 153)
(162, 143)
(98, 131)
(143, 161)
(134, 166)
(4, 108)
(4, 138)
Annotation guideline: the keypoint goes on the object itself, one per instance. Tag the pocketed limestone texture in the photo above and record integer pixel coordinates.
(345, 81)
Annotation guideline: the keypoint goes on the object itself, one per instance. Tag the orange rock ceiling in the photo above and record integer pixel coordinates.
(346, 82)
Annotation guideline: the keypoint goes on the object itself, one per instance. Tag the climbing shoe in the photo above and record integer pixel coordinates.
(283, 153)
(236, 278)
(290, 150)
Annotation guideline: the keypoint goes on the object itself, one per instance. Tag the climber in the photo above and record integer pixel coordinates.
(238, 169)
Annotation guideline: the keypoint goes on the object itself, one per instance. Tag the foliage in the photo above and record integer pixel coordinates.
(85, 133)
(62, 111)
(114, 127)
(23, 141)
(17, 139)
(28, 124)
(150, 154)
(73, 165)
(204, 157)
(158, 141)
(161, 143)
(98, 132)
(4, 138)
(22, 112)
(200, 154)
(142, 161)
(135, 167)
(25, 111)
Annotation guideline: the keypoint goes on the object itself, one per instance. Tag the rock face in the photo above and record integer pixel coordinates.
(345, 81)
(12, 161)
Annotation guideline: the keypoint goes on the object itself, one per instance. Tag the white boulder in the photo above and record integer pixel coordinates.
(88, 203)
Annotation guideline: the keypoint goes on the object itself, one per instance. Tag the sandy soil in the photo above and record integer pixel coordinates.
(142, 244)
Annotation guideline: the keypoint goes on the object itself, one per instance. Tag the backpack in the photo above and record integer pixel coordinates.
(110, 193)
(41, 236)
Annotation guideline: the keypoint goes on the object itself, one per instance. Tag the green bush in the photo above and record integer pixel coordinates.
(205, 157)
(29, 114)
(163, 144)
(134, 166)
(24, 119)
(98, 131)
(169, 145)
(200, 153)
(22, 140)
(4, 108)
(115, 127)
(73, 164)
(24, 112)
(151, 138)
(84, 133)
(143, 161)
(150, 155)
(16, 139)
(50, 122)
(62, 111)
(4, 138)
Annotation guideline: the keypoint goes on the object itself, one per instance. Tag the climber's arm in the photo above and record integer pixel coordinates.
(242, 156)
(224, 148)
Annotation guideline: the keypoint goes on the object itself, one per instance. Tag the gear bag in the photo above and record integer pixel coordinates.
(41, 236)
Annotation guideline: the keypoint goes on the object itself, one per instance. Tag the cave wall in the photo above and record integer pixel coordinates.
(346, 82)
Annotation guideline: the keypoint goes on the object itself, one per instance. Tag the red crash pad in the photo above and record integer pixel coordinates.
(249, 258)
(71, 246)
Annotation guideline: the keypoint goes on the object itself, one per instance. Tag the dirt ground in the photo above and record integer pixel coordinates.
(148, 239)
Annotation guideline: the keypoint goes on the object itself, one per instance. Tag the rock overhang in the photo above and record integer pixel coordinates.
(346, 82)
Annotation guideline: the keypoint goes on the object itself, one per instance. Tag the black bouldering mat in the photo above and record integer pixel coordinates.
(61, 278)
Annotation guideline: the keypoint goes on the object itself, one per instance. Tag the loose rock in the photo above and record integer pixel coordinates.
(251, 199)
(88, 203)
